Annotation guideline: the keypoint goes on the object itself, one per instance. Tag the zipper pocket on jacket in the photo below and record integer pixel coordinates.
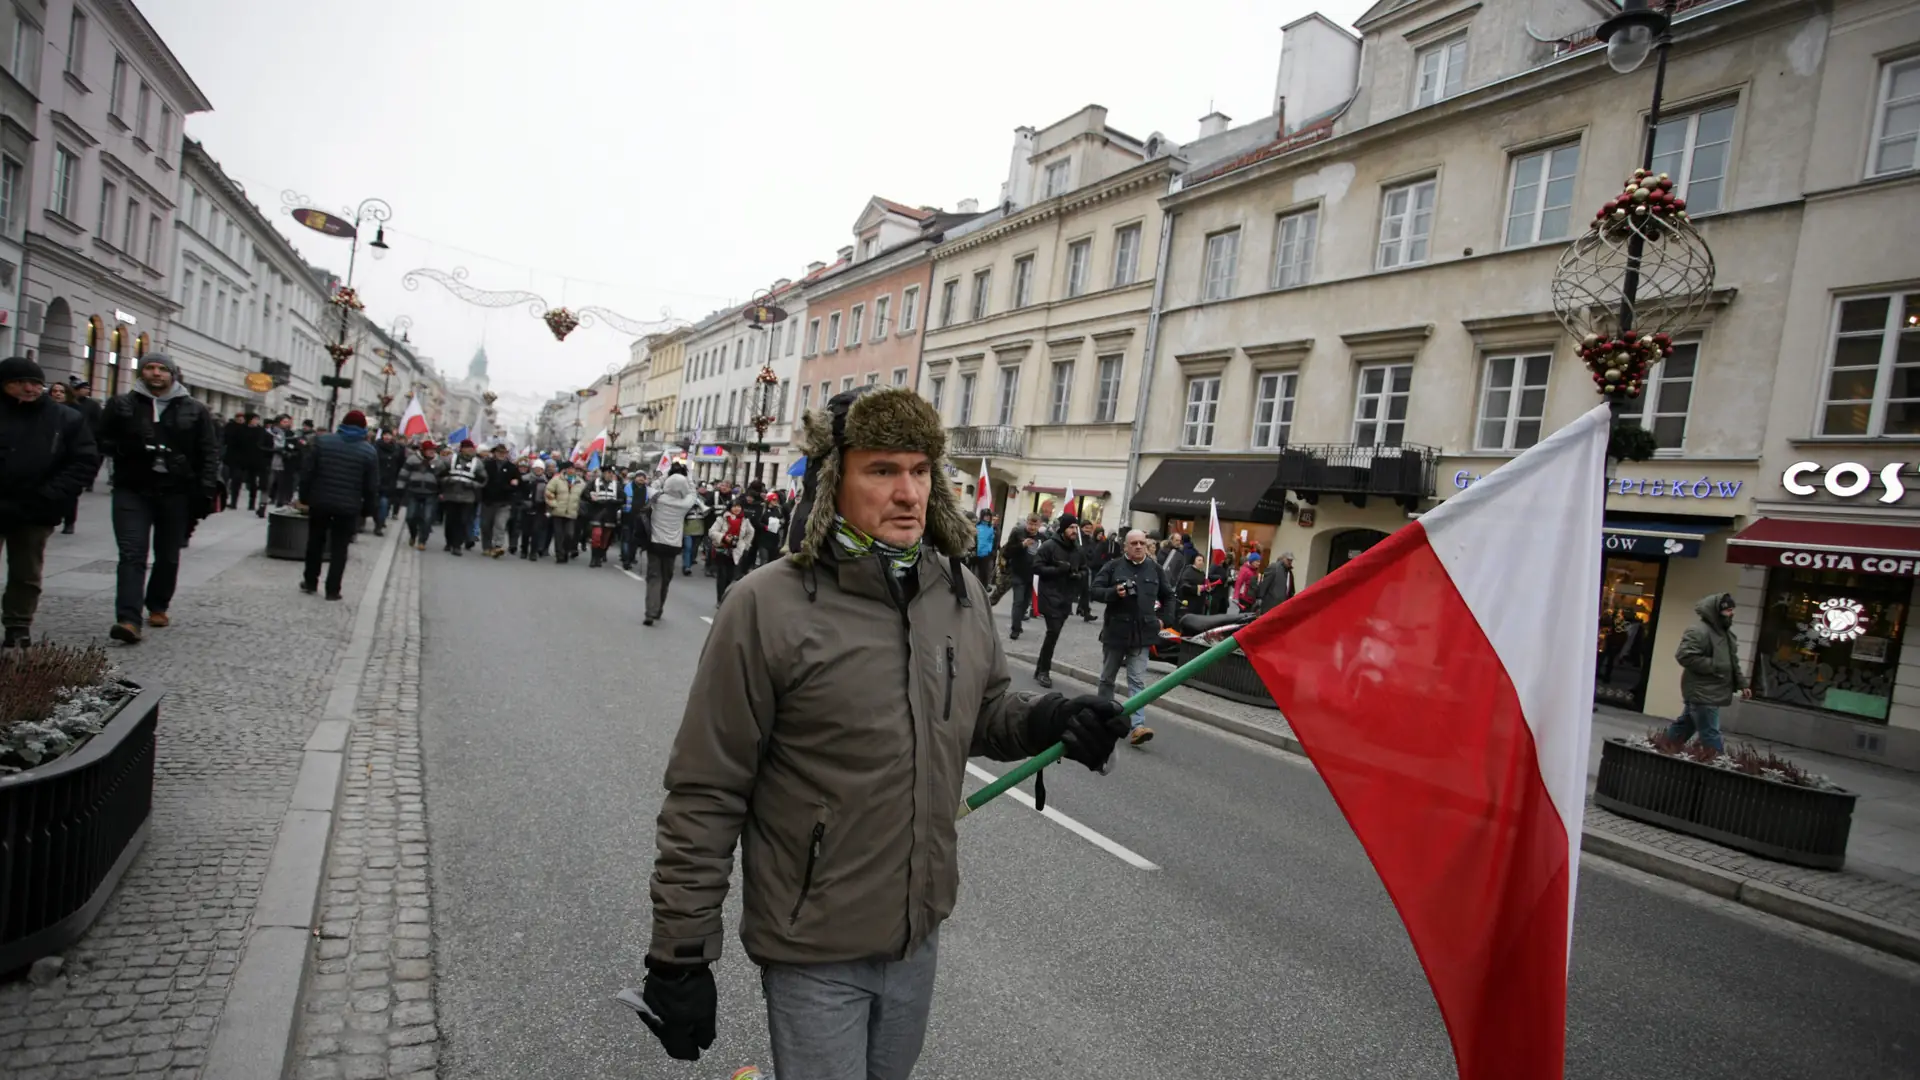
(946, 710)
(806, 879)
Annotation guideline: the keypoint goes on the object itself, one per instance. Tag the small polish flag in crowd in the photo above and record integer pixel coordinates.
(1442, 683)
(414, 420)
(1216, 544)
(983, 497)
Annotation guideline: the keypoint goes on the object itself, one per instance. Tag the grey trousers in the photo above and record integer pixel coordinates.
(857, 1021)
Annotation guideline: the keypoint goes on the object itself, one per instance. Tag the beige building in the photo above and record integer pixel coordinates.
(1357, 323)
(1037, 323)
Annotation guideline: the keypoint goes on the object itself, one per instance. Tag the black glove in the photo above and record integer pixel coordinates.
(680, 1006)
(1088, 725)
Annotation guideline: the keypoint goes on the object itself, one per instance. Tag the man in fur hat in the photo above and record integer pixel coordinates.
(803, 745)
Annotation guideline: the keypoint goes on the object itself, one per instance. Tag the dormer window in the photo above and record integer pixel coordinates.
(867, 246)
(1440, 70)
(1057, 178)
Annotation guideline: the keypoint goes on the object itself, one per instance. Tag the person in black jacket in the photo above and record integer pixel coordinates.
(1136, 592)
(1096, 552)
(339, 485)
(81, 400)
(1058, 567)
(243, 450)
(533, 512)
(393, 457)
(1023, 543)
(166, 472)
(600, 512)
(496, 501)
(47, 456)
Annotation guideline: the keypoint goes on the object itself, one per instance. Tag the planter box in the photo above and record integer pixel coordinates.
(68, 829)
(1802, 826)
(1231, 677)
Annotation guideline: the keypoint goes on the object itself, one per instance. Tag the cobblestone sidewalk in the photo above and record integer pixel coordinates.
(245, 667)
(1077, 654)
(368, 1012)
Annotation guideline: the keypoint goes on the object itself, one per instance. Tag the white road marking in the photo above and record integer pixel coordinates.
(1111, 847)
(708, 619)
(633, 575)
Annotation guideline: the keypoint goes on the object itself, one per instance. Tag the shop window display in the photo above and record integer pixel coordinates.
(1629, 615)
(1831, 640)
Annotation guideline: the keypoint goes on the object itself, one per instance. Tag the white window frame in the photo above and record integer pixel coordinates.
(969, 386)
(1383, 398)
(66, 177)
(1275, 398)
(1397, 227)
(899, 376)
(855, 317)
(117, 89)
(1531, 371)
(873, 378)
(129, 225)
(867, 247)
(1202, 412)
(1648, 405)
(1293, 254)
(1449, 56)
(1885, 103)
(1536, 206)
(937, 393)
(1890, 331)
(826, 392)
(833, 332)
(949, 299)
(980, 304)
(1221, 264)
(882, 307)
(813, 340)
(77, 43)
(109, 195)
(1106, 406)
(25, 66)
(1057, 179)
(1079, 262)
(1683, 176)
(12, 175)
(142, 111)
(846, 383)
(1060, 392)
(1022, 282)
(1009, 396)
(1126, 255)
(793, 336)
(909, 308)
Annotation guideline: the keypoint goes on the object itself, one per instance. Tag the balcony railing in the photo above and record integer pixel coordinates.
(1403, 473)
(989, 441)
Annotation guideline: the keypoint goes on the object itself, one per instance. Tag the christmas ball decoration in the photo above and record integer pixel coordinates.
(561, 322)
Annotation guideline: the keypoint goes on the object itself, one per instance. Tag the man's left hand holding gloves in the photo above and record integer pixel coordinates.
(680, 1007)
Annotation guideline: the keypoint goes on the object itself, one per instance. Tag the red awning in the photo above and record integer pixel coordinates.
(1828, 545)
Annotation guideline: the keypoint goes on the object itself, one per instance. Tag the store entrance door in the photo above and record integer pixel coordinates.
(1629, 615)
(1347, 546)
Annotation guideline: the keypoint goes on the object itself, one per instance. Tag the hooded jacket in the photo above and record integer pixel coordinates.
(563, 495)
(671, 504)
(160, 443)
(838, 787)
(47, 456)
(393, 458)
(341, 474)
(1709, 657)
(1058, 567)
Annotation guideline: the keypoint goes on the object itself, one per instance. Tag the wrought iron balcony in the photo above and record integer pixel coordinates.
(996, 440)
(1403, 473)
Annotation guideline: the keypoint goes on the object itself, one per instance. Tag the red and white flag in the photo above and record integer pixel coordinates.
(983, 491)
(414, 420)
(1216, 544)
(1442, 683)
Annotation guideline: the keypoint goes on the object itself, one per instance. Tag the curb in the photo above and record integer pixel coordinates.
(254, 1037)
(1762, 896)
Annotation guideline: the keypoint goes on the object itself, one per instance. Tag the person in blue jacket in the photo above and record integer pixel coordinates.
(983, 548)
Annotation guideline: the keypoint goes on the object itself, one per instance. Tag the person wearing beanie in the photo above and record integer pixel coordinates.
(461, 478)
(497, 494)
(841, 787)
(563, 507)
(600, 511)
(420, 479)
(533, 511)
(1058, 567)
(339, 485)
(166, 469)
(393, 458)
(47, 457)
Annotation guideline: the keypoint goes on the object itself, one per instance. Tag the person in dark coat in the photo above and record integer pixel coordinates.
(166, 476)
(339, 485)
(1022, 545)
(1276, 587)
(393, 458)
(1136, 592)
(243, 451)
(1097, 551)
(1058, 568)
(47, 457)
(496, 501)
(81, 400)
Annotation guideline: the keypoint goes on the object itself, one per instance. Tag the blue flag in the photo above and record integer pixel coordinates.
(798, 468)
(593, 463)
(455, 438)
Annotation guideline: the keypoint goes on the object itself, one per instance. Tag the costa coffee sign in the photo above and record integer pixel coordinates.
(1902, 566)
(1845, 480)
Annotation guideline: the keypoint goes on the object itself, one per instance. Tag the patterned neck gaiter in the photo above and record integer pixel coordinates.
(858, 545)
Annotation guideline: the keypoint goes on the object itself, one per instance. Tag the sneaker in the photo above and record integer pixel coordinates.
(686, 571)
(419, 546)
(334, 596)
(1043, 679)
(309, 587)
(125, 631)
(648, 621)
(1140, 736)
(158, 618)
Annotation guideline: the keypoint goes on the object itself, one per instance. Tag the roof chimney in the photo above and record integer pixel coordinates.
(846, 253)
(815, 267)
(1214, 123)
(967, 206)
(781, 283)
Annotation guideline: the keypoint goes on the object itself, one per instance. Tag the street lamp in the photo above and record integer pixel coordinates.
(580, 397)
(1634, 32)
(370, 209)
(763, 315)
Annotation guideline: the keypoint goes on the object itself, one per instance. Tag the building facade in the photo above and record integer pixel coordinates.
(19, 118)
(94, 292)
(658, 416)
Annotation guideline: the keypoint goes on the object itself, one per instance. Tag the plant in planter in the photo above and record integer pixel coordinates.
(53, 698)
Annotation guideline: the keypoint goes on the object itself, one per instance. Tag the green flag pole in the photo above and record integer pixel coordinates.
(1132, 705)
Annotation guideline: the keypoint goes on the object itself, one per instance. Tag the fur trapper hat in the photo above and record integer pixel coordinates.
(891, 418)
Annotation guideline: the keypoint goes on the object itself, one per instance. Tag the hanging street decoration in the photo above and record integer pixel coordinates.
(345, 297)
(323, 222)
(559, 319)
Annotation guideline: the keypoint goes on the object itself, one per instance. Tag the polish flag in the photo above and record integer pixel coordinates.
(983, 497)
(1067, 499)
(414, 420)
(1442, 683)
(1216, 544)
(596, 444)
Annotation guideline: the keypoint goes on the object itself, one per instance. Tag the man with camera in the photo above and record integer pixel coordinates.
(1136, 592)
(166, 472)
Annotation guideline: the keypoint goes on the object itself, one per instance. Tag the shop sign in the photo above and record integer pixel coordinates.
(1836, 560)
(1654, 487)
(1840, 619)
(1845, 479)
(1617, 544)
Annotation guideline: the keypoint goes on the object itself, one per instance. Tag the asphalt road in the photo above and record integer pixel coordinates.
(1263, 945)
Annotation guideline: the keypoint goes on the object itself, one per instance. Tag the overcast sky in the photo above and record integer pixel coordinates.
(644, 155)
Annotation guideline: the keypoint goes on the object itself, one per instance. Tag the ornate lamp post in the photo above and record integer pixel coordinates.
(580, 397)
(763, 315)
(378, 211)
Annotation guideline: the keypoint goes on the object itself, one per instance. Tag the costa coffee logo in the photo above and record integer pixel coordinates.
(1840, 619)
(1845, 479)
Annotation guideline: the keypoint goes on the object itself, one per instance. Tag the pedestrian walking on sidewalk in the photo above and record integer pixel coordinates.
(563, 507)
(1023, 544)
(634, 515)
(985, 548)
(841, 787)
(669, 510)
(461, 478)
(1137, 593)
(1058, 568)
(1095, 552)
(88, 407)
(496, 501)
(1276, 587)
(1710, 675)
(339, 484)
(56, 392)
(393, 458)
(420, 479)
(166, 469)
(244, 446)
(47, 456)
(694, 534)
